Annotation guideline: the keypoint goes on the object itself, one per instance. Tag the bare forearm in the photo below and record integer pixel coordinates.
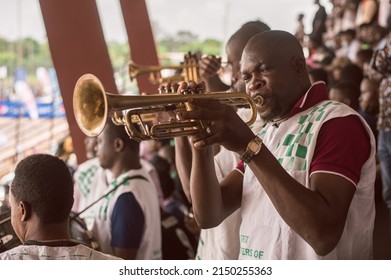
(205, 189)
(214, 84)
(183, 159)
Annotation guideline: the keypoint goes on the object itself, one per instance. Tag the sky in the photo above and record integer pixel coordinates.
(216, 19)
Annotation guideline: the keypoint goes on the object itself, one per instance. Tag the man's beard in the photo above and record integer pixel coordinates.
(276, 113)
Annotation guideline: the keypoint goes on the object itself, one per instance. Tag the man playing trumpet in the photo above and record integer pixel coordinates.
(304, 190)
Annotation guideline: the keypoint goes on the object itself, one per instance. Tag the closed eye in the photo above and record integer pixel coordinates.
(246, 77)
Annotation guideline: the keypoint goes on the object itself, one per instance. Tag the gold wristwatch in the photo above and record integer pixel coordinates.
(253, 148)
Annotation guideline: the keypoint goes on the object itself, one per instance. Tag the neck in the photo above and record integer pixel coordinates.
(50, 232)
(124, 166)
(277, 121)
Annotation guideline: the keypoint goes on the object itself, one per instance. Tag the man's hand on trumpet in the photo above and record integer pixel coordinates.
(168, 88)
(210, 70)
(210, 66)
(224, 126)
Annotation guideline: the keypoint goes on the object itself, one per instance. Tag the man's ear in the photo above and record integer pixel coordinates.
(118, 144)
(299, 65)
(26, 210)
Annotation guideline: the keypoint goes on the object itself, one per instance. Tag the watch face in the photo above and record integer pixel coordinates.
(253, 146)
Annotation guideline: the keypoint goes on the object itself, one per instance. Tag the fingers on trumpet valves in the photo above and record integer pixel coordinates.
(182, 88)
(206, 127)
(174, 87)
(200, 88)
(188, 90)
(168, 88)
(161, 90)
(191, 87)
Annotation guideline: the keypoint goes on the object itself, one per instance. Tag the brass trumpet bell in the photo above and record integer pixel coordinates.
(92, 106)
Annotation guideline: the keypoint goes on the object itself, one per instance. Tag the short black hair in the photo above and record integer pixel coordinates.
(350, 32)
(352, 73)
(257, 23)
(44, 181)
(349, 90)
(365, 54)
(119, 131)
(319, 74)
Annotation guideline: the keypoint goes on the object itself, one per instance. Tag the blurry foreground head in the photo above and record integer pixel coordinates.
(41, 191)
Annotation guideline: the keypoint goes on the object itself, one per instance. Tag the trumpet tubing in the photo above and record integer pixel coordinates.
(189, 72)
(92, 106)
(135, 69)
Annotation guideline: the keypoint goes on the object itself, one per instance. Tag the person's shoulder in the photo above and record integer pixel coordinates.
(148, 166)
(87, 166)
(142, 173)
(328, 105)
(135, 179)
(350, 120)
(20, 252)
(95, 254)
(4, 256)
(89, 163)
(12, 254)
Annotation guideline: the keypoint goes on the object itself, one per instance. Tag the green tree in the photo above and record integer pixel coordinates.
(185, 41)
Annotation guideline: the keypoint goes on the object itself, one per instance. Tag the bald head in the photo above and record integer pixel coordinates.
(277, 42)
(244, 34)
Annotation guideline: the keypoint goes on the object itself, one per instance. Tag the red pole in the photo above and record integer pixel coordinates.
(77, 47)
(141, 40)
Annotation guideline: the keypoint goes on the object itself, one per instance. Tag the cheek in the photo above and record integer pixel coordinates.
(364, 98)
(101, 155)
(240, 86)
(100, 148)
(100, 152)
(104, 153)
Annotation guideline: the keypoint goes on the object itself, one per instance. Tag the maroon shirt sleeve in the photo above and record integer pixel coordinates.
(343, 146)
(240, 166)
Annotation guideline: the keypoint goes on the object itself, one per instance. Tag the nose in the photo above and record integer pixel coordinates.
(256, 83)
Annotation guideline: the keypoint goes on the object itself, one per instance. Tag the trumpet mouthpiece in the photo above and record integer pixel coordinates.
(259, 100)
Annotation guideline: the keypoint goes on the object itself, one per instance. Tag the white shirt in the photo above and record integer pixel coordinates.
(42, 252)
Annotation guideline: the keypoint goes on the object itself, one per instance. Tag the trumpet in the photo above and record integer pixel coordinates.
(92, 106)
(186, 72)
